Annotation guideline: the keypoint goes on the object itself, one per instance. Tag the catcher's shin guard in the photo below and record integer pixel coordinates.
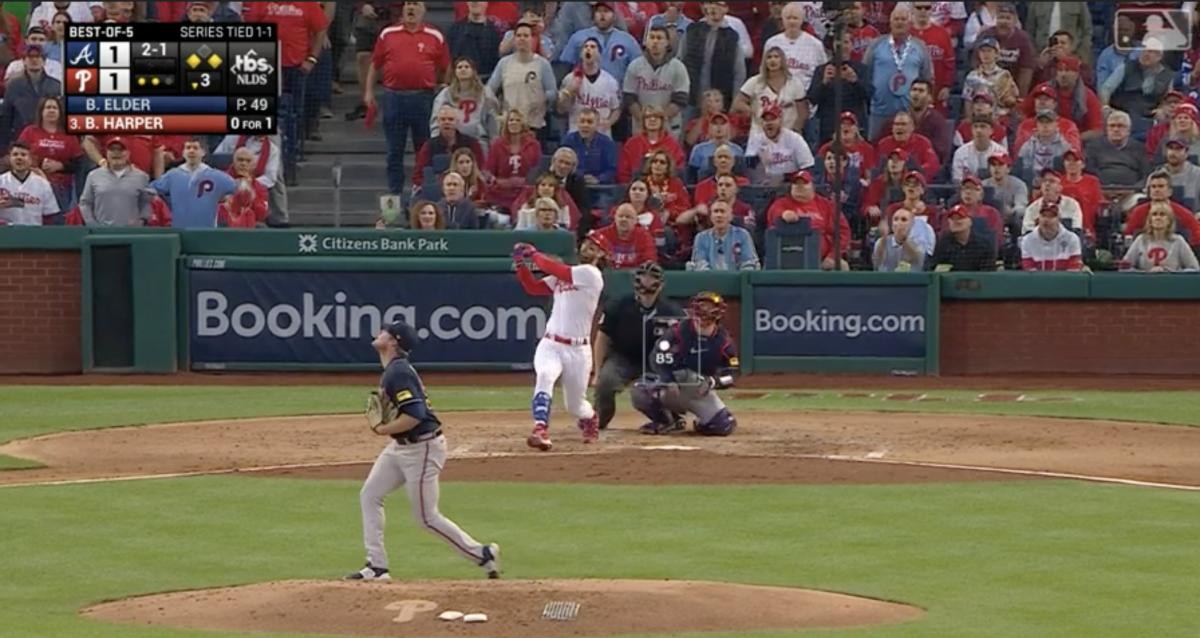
(646, 400)
(722, 424)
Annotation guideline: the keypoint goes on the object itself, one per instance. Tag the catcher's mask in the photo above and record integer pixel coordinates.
(707, 306)
(648, 278)
(404, 334)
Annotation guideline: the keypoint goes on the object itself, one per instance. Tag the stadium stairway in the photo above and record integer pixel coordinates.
(360, 153)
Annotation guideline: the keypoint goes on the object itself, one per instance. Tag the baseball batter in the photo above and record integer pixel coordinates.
(564, 350)
(413, 459)
(696, 358)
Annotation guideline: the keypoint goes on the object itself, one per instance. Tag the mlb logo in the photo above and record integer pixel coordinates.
(82, 81)
(82, 54)
(1156, 29)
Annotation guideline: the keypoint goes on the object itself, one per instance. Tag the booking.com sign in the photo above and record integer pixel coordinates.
(840, 321)
(1161, 29)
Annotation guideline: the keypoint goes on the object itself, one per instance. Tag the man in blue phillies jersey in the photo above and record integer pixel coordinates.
(694, 360)
(414, 459)
(617, 48)
(893, 61)
(194, 189)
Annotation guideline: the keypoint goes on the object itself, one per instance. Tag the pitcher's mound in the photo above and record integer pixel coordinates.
(514, 608)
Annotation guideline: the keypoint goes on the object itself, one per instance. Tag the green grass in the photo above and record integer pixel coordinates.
(1021, 559)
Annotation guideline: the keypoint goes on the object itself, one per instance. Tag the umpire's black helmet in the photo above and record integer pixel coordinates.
(404, 335)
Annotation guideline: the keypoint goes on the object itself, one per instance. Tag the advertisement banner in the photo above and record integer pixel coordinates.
(252, 317)
(840, 321)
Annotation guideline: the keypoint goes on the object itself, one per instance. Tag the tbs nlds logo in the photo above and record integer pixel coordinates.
(255, 69)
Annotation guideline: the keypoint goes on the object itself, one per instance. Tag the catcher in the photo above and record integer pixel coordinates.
(694, 359)
(414, 458)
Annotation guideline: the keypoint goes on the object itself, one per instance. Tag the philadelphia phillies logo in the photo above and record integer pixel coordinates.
(1158, 255)
(617, 53)
(205, 186)
(467, 107)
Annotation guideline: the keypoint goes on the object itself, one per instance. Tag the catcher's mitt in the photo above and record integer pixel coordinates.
(380, 411)
(691, 384)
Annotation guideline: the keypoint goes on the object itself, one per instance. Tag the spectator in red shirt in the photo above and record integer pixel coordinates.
(982, 106)
(862, 34)
(802, 201)
(503, 15)
(970, 195)
(1062, 47)
(858, 150)
(941, 50)
(1073, 100)
(411, 57)
(918, 146)
(889, 183)
(914, 200)
(659, 173)
(301, 27)
(514, 154)
(1158, 188)
(712, 102)
(55, 152)
(723, 161)
(247, 207)
(929, 121)
(632, 245)
(654, 136)
(11, 44)
(1162, 121)
(1046, 99)
(1084, 188)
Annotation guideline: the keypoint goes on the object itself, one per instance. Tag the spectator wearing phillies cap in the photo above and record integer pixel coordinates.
(982, 106)
(1164, 118)
(972, 159)
(970, 198)
(860, 152)
(1185, 127)
(990, 79)
(855, 86)
(1083, 188)
(1072, 99)
(1050, 247)
(918, 146)
(781, 152)
(1184, 174)
(720, 133)
(1158, 188)
(1052, 195)
(1159, 248)
(802, 201)
(888, 186)
(1045, 100)
(923, 212)
(960, 249)
(1011, 193)
(1045, 149)
(1116, 158)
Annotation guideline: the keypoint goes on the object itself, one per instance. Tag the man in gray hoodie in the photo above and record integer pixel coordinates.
(1045, 149)
(118, 193)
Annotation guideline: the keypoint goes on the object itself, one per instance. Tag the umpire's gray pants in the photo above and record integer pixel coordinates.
(613, 376)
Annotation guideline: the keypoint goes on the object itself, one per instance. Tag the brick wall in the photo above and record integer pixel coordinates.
(1071, 336)
(39, 312)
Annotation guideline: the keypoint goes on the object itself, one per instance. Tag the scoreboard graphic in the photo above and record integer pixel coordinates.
(171, 79)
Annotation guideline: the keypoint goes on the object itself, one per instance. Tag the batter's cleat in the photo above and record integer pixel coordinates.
(591, 429)
(491, 561)
(369, 573)
(540, 438)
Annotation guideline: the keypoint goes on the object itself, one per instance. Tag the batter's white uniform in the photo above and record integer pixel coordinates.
(565, 350)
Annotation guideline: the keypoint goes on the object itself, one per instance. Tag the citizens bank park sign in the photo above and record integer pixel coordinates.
(316, 243)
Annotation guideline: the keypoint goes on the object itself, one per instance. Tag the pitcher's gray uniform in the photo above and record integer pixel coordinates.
(413, 459)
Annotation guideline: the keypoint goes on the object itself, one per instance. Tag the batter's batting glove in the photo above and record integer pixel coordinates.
(522, 253)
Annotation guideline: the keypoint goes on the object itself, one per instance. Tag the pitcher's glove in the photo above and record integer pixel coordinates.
(380, 411)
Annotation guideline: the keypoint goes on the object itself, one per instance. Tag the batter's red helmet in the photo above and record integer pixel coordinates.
(600, 242)
(707, 305)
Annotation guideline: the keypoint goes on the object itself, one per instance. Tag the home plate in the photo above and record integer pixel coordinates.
(878, 454)
(685, 448)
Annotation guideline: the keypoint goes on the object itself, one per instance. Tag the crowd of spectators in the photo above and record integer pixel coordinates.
(701, 135)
